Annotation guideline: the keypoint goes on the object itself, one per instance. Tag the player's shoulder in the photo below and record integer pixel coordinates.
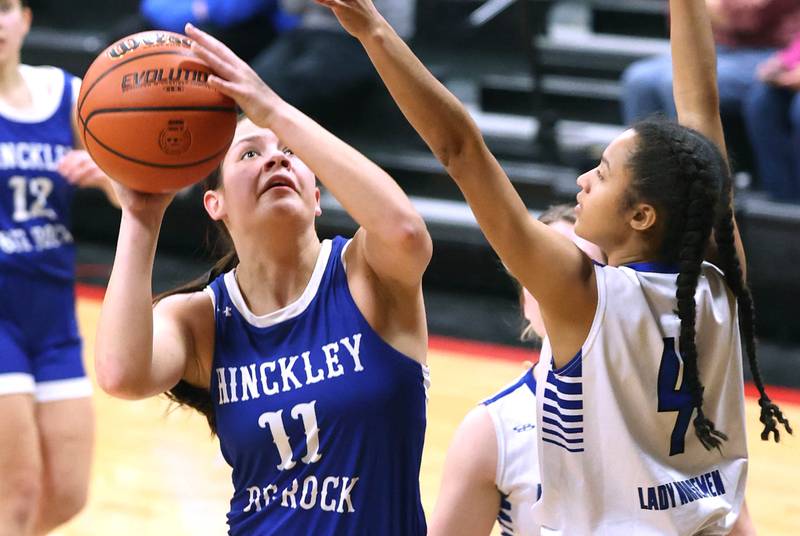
(475, 444)
(188, 308)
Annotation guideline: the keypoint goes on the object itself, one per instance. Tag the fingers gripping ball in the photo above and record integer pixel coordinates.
(148, 117)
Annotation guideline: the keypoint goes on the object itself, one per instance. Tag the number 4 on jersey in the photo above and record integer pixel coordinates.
(674, 394)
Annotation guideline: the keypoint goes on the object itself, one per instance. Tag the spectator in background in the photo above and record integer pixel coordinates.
(772, 117)
(317, 65)
(248, 26)
(747, 32)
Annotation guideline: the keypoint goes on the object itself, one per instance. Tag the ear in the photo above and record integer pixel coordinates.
(643, 217)
(27, 18)
(318, 208)
(214, 204)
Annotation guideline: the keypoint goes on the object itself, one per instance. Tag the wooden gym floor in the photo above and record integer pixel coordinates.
(158, 471)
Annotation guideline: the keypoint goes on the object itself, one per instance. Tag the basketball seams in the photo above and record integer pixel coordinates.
(125, 62)
(100, 111)
(153, 164)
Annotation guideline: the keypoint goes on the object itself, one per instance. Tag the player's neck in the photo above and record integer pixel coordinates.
(271, 276)
(14, 91)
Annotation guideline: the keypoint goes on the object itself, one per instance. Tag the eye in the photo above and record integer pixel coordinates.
(599, 175)
(287, 151)
(248, 154)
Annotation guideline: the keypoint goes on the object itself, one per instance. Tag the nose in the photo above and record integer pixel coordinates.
(583, 181)
(278, 158)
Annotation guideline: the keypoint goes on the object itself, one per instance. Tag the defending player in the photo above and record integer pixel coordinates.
(491, 470)
(46, 431)
(307, 357)
(644, 348)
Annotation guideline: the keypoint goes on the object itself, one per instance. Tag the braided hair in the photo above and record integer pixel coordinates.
(685, 176)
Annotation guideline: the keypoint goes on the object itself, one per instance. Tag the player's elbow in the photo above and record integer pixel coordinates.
(116, 381)
(457, 144)
(411, 235)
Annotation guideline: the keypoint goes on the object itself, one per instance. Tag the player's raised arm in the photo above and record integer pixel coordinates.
(694, 74)
(128, 363)
(566, 280)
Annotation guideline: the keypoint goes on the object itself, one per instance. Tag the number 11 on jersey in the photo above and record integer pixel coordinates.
(274, 420)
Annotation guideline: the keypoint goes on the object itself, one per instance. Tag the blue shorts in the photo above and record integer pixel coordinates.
(40, 347)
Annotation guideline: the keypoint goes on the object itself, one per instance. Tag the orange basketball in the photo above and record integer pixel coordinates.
(148, 117)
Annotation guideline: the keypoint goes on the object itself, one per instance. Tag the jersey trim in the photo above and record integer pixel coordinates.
(16, 382)
(290, 311)
(344, 249)
(47, 85)
(526, 379)
(655, 267)
(210, 291)
(63, 389)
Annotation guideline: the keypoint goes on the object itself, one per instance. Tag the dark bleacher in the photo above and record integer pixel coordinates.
(488, 67)
(70, 35)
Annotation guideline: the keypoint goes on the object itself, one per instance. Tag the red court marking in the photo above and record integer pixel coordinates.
(482, 349)
(486, 350)
(91, 292)
(777, 394)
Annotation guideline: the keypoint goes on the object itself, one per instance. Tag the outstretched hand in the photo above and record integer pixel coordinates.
(78, 168)
(234, 77)
(140, 204)
(358, 17)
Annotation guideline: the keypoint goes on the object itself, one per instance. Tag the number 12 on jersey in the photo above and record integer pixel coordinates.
(674, 394)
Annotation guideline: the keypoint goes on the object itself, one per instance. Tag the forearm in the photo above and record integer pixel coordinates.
(366, 191)
(694, 65)
(123, 350)
(435, 113)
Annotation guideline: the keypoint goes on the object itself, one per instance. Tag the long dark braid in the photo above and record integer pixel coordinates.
(771, 414)
(699, 221)
(673, 168)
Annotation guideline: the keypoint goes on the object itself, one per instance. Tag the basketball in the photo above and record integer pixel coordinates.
(148, 117)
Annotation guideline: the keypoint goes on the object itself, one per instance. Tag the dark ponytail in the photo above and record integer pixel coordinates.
(684, 175)
(184, 393)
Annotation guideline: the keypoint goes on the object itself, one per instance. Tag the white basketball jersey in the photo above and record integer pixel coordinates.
(513, 413)
(618, 449)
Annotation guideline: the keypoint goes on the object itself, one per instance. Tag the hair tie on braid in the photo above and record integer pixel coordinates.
(771, 415)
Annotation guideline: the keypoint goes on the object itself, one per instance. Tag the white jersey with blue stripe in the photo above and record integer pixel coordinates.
(321, 420)
(35, 200)
(513, 413)
(618, 450)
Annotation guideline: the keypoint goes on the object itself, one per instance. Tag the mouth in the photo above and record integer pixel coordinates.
(278, 181)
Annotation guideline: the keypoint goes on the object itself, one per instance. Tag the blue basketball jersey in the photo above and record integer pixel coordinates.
(321, 420)
(34, 198)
